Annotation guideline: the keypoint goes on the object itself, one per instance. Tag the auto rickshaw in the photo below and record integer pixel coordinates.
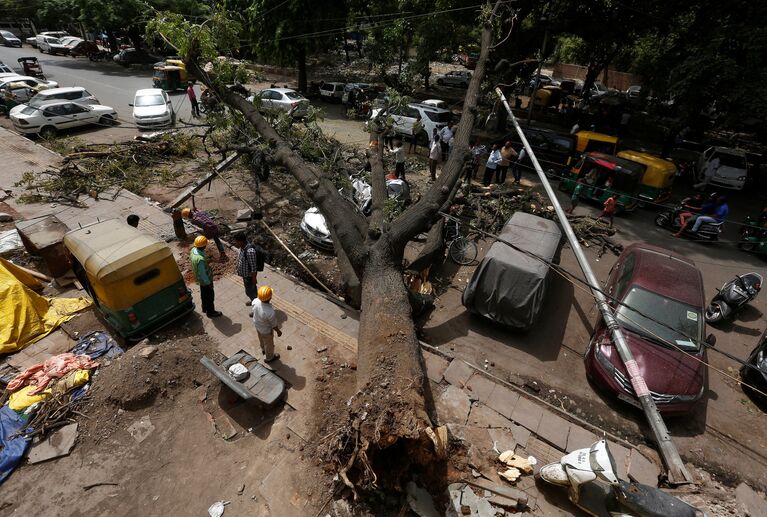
(547, 96)
(31, 67)
(604, 175)
(658, 177)
(131, 276)
(170, 75)
(589, 141)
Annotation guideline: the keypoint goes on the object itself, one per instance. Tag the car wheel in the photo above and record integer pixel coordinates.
(747, 246)
(48, 132)
(107, 120)
(662, 220)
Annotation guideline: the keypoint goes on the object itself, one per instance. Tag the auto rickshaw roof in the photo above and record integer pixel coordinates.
(652, 162)
(615, 163)
(111, 250)
(599, 137)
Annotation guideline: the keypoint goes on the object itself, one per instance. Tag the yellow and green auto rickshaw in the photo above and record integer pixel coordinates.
(170, 75)
(604, 175)
(658, 176)
(591, 141)
(131, 276)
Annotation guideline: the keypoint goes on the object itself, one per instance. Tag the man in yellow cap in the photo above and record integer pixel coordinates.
(204, 276)
(265, 320)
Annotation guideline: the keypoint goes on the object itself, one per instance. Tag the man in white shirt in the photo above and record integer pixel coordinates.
(445, 135)
(492, 164)
(399, 159)
(265, 321)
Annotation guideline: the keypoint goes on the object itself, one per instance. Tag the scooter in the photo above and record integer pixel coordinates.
(593, 486)
(733, 296)
(670, 220)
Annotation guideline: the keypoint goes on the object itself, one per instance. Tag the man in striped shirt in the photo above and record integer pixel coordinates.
(247, 266)
(209, 228)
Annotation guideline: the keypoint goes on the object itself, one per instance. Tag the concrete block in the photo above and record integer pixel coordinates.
(642, 470)
(554, 429)
(503, 400)
(479, 387)
(521, 435)
(483, 416)
(435, 366)
(750, 502)
(503, 439)
(579, 438)
(453, 406)
(527, 414)
(58, 443)
(458, 373)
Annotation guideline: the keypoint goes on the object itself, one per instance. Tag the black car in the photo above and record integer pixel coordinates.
(754, 372)
(9, 39)
(553, 150)
(132, 56)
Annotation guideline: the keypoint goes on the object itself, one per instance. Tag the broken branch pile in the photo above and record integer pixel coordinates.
(95, 168)
(489, 208)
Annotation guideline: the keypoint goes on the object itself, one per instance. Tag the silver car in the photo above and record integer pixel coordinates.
(457, 78)
(276, 100)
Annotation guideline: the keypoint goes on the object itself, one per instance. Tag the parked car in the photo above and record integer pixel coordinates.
(457, 78)
(661, 301)
(50, 45)
(70, 42)
(733, 167)
(132, 56)
(71, 93)
(9, 39)
(598, 90)
(152, 108)
(14, 93)
(437, 103)
(469, 59)
(5, 69)
(276, 100)
(49, 119)
(406, 116)
(33, 82)
(633, 92)
(543, 80)
(332, 92)
(32, 40)
(348, 87)
(754, 372)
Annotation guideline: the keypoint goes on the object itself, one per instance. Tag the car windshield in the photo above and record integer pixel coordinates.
(54, 41)
(293, 96)
(662, 313)
(39, 100)
(7, 34)
(29, 110)
(731, 160)
(599, 86)
(149, 100)
(441, 116)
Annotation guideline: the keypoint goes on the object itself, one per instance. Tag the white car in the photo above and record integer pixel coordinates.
(32, 82)
(275, 100)
(56, 34)
(50, 45)
(458, 78)
(71, 93)
(437, 103)
(152, 108)
(404, 118)
(732, 170)
(49, 119)
(332, 92)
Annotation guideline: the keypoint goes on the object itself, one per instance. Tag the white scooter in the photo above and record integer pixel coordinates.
(593, 486)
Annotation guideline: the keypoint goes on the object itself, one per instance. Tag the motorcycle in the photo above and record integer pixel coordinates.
(733, 296)
(593, 486)
(670, 220)
(753, 236)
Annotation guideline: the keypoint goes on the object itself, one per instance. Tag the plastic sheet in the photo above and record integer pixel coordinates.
(12, 445)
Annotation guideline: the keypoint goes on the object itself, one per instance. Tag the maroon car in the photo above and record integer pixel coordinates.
(668, 288)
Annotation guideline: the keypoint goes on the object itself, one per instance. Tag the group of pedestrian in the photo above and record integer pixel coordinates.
(499, 161)
(440, 147)
(250, 261)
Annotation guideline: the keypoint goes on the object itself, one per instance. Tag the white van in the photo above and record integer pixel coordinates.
(731, 171)
(332, 92)
(50, 45)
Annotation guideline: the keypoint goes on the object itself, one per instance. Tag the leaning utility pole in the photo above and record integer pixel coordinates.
(677, 473)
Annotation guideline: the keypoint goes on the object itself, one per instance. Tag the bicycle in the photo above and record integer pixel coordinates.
(460, 248)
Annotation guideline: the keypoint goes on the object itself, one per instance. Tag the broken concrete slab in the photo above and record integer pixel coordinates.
(435, 366)
(148, 351)
(483, 416)
(554, 429)
(246, 214)
(503, 439)
(58, 443)
(141, 429)
(420, 501)
(458, 372)
(527, 414)
(750, 502)
(479, 387)
(453, 406)
(503, 400)
(521, 435)
(579, 438)
(642, 470)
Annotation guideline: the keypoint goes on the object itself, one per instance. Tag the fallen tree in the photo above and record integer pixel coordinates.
(386, 421)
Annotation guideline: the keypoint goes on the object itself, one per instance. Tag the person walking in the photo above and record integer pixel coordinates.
(608, 209)
(492, 164)
(204, 276)
(193, 99)
(435, 154)
(247, 266)
(209, 229)
(445, 135)
(477, 153)
(417, 128)
(575, 198)
(399, 159)
(507, 154)
(517, 171)
(265, 321)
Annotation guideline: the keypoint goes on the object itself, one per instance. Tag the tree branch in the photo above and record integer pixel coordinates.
(347, 225)
(413, 220)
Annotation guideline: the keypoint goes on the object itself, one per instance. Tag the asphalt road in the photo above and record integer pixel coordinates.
(112, 85)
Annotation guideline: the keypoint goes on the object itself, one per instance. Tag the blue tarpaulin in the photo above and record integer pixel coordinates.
(12, 445)
(97, 344)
